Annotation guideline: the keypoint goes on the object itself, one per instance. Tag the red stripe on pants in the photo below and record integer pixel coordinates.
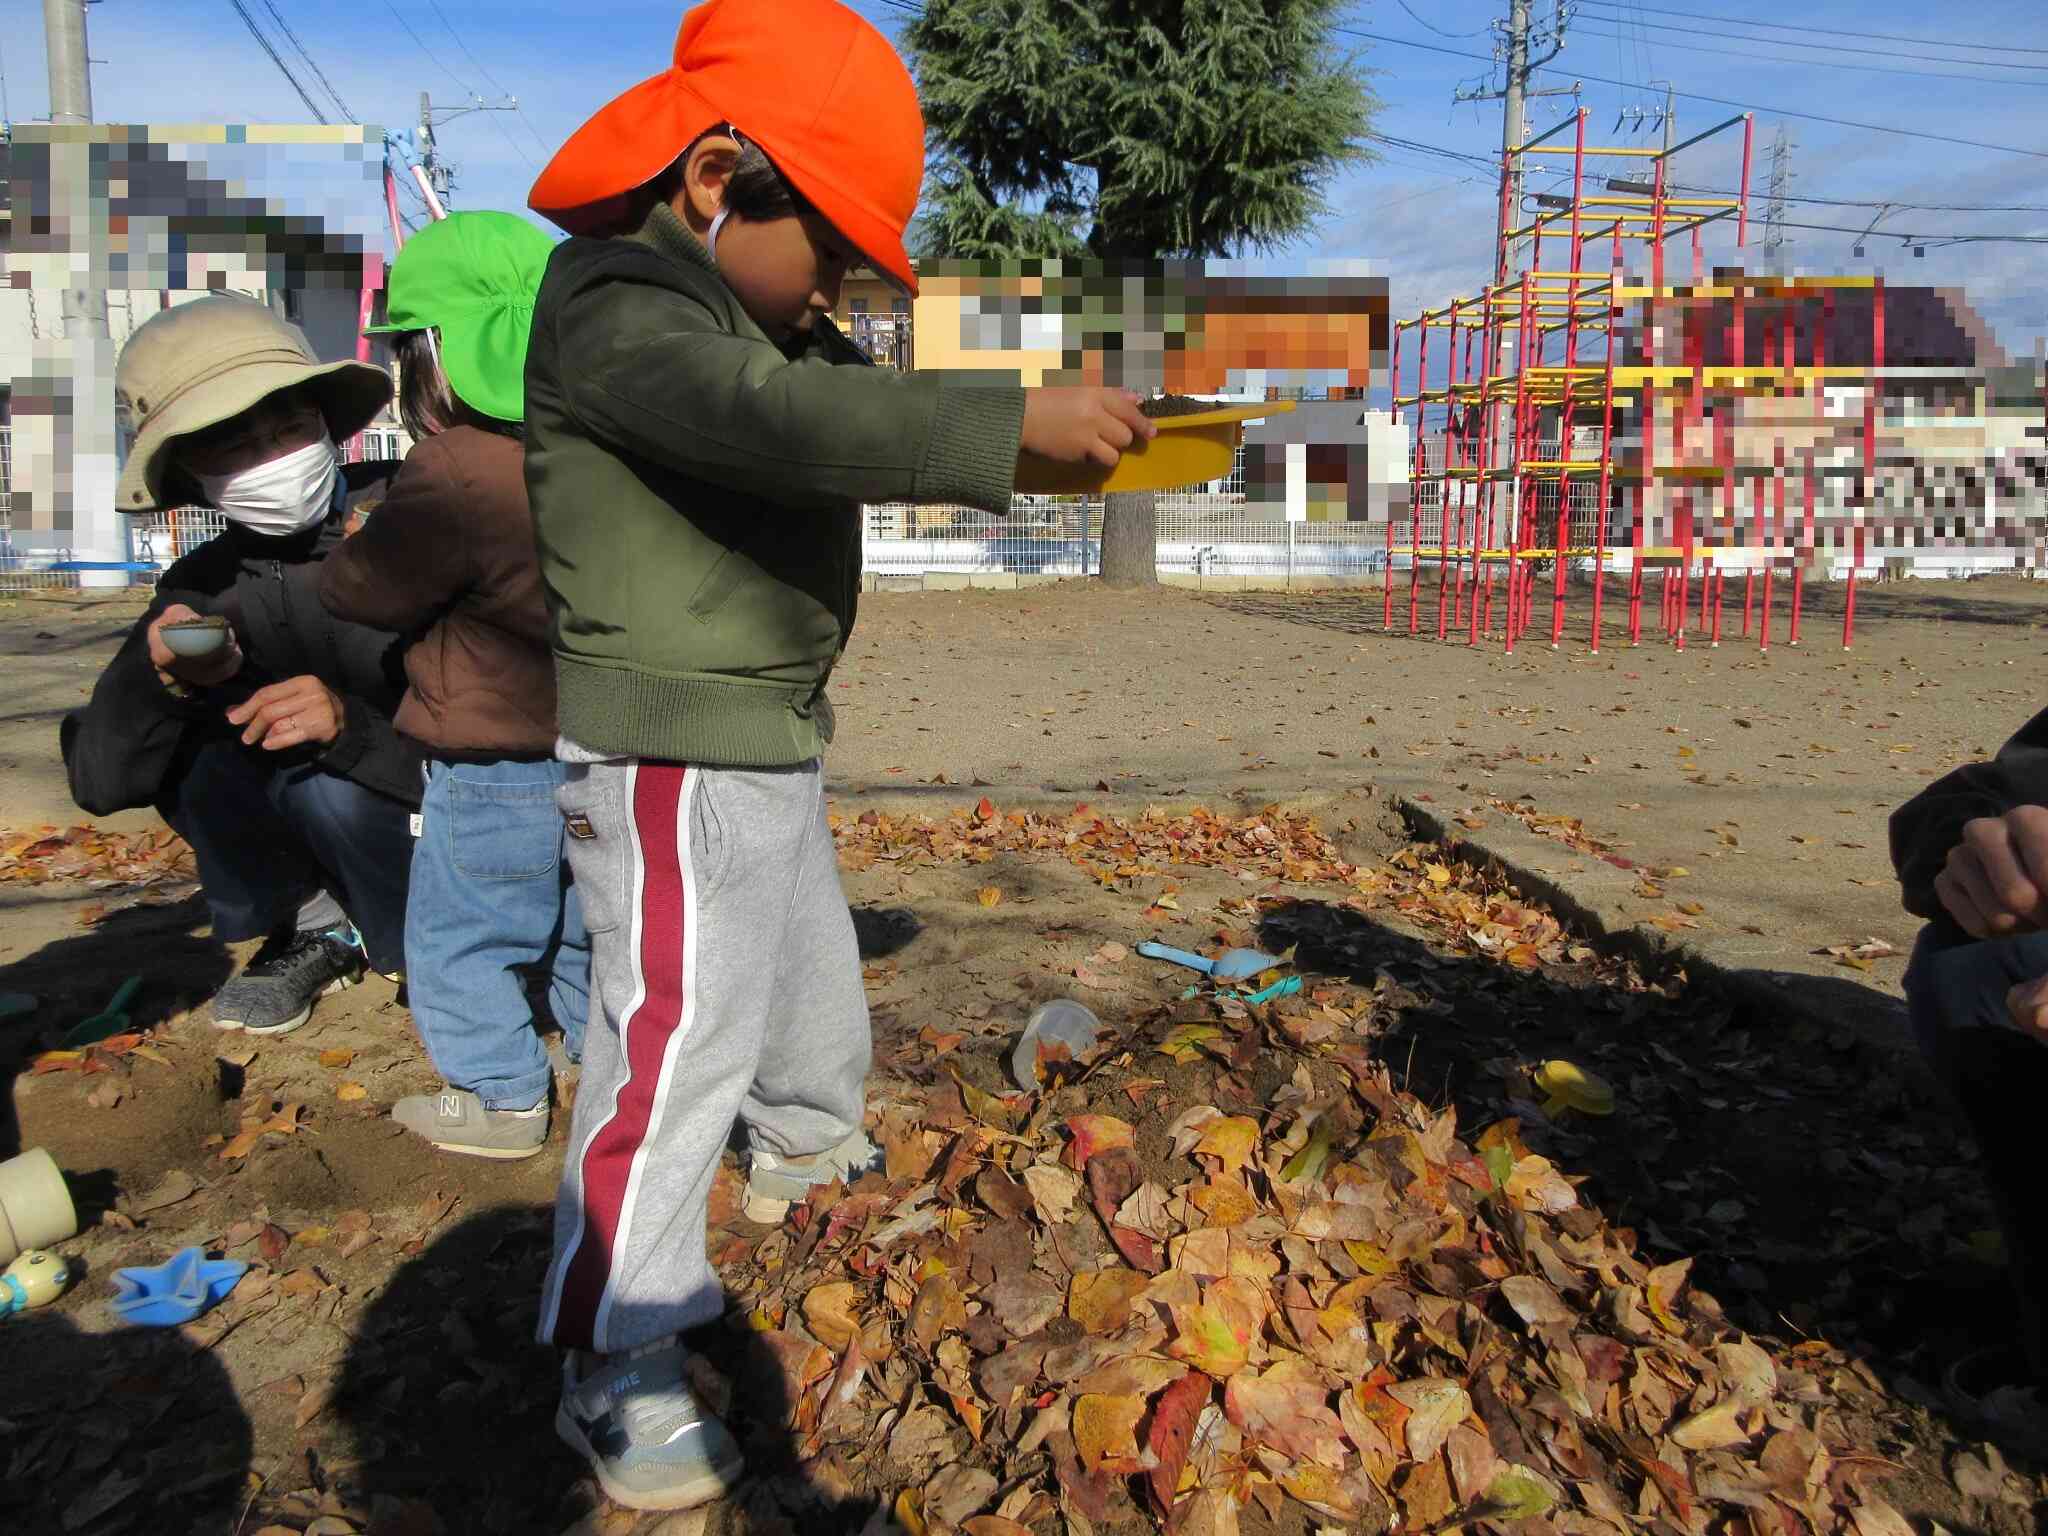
(643, 1041)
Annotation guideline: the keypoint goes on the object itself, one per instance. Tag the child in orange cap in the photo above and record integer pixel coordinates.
(699, 442)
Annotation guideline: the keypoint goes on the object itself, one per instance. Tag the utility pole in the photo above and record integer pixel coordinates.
(436, 174)
(81, 496)
(1518, 38)
(1774, 241)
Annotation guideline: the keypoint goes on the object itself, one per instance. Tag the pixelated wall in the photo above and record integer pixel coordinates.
(1172, 326)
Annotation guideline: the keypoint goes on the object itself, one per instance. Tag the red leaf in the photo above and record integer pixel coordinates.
(1173, 1429)
(1095, 1134)
(272, 1242)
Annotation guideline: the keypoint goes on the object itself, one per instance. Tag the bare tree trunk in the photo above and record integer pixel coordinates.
(1130, 539)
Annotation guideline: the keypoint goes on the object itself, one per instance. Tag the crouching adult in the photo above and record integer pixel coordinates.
(273, 754)
(1971, 853)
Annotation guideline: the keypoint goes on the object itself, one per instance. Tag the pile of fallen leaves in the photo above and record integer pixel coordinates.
(1271, 848)
(1309, 1298)
(89, 855)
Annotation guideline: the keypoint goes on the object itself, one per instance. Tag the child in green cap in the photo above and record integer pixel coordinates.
(449, 558)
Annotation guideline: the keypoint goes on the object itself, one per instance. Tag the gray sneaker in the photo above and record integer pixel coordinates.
(774, 1183)
(648, 1439)
(455, 1120)
(276, 991)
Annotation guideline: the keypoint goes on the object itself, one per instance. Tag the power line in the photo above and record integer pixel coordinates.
(493, 82)
(432, 57)
(283, 69)
(1724, 101)
(319, 74)
(1439, 31)
(1781, 26)
(1786, 42)
(1876, 69)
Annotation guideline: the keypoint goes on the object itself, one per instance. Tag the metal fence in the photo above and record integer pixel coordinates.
(1207, 534)
(31, 560)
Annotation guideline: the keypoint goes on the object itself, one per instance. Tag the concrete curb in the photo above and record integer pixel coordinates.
(1594, 899)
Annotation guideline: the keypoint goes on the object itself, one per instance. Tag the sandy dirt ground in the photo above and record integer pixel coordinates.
(376, 1370)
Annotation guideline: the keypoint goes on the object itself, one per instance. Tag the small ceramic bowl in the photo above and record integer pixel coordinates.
(195, 637)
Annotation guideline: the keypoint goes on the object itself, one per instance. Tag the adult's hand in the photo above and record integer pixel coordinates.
(1995, 883)
(2028, 1005)
(202, 671)
(298, 712)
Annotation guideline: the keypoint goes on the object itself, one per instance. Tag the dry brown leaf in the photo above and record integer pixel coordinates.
(832, 1312)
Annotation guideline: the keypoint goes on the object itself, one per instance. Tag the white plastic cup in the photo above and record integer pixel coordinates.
(35, 1205)
(1061, 1021)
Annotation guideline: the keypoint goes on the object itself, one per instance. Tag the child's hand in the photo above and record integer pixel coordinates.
(1076, 426)
(1996, 880)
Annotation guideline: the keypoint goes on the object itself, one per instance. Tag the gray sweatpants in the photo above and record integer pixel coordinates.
(725, 981)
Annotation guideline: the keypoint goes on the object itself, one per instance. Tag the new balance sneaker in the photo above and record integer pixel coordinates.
(455, 1120)
(276, 991)
(774, 1183)
(648, 1439)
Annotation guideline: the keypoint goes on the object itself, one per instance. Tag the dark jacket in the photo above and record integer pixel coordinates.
(450, 552)
(697, 493)
(1928, 826)
(119, 748)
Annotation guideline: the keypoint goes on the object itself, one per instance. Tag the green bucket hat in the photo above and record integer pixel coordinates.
(473, 277)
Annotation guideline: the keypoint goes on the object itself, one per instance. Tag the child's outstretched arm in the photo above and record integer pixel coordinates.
(654, 371)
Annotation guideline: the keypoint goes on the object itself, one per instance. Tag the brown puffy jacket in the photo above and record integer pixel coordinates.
(449, 555)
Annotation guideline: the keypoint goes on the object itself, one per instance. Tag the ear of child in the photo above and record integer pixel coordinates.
(1083, 424)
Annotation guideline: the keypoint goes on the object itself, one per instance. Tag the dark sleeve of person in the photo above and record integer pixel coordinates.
(118, 748)
(365, 666)
(414, 557)
(370, 752)
(1927, 827)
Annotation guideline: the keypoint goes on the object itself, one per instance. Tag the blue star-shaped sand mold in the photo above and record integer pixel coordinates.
(164, 1295)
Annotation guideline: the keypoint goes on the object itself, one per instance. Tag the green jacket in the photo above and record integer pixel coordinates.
(696, 494)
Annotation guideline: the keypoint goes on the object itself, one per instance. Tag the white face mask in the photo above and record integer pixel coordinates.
(285, 496)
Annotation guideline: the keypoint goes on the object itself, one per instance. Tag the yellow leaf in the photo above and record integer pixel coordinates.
(1573, 1087)
(1100, 1300)
(1713, 1429)
(910, 1511)
(1105, 1429)
(988, 896)
(348, 1093)
(1434, 1405)
(1218, 1334)
(339, 1056)
(1233, 1141)
(1438, 874)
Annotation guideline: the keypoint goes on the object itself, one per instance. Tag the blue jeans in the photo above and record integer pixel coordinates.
(491, 891)
(1998, 1078)
(266, 837)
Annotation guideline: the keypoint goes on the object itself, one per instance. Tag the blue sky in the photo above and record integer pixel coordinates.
(1423, 219)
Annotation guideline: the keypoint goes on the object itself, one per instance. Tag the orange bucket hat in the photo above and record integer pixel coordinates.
(814, 84)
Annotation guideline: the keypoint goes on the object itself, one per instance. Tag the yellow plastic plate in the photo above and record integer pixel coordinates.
(1189, 450)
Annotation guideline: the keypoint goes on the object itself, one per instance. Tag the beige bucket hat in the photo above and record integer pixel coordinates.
(199, 364)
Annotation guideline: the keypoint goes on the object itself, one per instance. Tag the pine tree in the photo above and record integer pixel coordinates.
(1131, 130)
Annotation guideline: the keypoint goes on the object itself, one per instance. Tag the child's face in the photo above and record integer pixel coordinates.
(786, 271)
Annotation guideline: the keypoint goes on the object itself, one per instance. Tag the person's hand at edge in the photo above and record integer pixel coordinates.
(198, 671)
(1995, 883)
(1079, 425)
(298, 712)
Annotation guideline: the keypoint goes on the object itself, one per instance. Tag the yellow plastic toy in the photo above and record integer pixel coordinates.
(34, 1279)
(1189, 450)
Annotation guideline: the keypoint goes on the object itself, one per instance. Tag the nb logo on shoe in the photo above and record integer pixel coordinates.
(451, 1105)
